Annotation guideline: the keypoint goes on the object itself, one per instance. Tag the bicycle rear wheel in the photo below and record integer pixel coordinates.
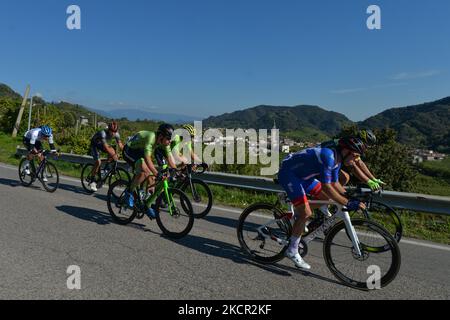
(263, 232)
(175, 220)
(26, 179)
(50, 177)
(117, 206)
(86, 177)
(374, 269)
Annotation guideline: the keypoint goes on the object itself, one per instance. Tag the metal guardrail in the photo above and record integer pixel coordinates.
(398, 200)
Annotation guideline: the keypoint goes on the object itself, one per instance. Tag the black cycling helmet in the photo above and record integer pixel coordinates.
(166, 130)
(353, 144)
(368, 137)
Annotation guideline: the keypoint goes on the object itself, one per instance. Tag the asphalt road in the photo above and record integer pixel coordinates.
(42, 234)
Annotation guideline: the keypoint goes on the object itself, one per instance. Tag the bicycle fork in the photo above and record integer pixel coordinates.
(351, 232)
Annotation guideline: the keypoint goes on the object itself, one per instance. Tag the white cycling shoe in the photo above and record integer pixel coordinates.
(93, 187)
(298, 260)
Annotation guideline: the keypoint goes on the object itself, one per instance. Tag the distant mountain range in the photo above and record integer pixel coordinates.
(426, 124)
(284, 118)
(135, 114)
(423, 125)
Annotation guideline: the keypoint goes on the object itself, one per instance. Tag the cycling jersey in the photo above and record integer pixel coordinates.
(331, 144)
(34, 137)
(141, 145)
(104, 137)
(99, 140)
(177, 144)
(304, 172)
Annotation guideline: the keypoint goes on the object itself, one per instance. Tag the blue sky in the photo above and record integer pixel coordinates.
(208, 57)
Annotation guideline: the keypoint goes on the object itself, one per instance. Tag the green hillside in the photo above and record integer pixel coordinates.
(424, 125)
(311, 119)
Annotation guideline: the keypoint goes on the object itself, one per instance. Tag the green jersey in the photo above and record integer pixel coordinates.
(177, 145)
(146, 140)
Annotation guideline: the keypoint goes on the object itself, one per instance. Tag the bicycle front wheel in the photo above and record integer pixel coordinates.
(50, 177)
(176, 218)
(374, 269)
(263, 232)
(200, 196)
(386, 217)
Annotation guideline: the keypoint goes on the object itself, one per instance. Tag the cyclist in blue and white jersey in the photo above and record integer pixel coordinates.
(315, 172)
(33, 139)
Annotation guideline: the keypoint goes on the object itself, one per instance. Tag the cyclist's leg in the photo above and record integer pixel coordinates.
(296, 193)
(26, 143)
(96, 155)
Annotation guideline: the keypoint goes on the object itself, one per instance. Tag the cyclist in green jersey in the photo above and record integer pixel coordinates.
(138, 154)
(178, 145)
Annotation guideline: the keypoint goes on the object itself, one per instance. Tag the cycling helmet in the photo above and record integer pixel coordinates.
(46, 131)
(113, 126)
(352, 144)
(368, 137)
(166, 130)
(190, 129)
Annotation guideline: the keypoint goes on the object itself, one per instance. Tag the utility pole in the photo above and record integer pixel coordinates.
(76, 127)
(29, 114)
(19, 116)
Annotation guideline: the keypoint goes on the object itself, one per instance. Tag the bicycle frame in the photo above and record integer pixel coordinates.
(159, 188)
(40, 167)
(340, 214)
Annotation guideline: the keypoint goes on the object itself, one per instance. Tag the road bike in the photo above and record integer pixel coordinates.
(108, 173)
(174, 219)
(352, 248)
(196, 189)
(46, 173)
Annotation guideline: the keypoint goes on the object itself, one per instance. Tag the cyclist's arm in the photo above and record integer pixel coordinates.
(338, 187)
(111, 152)
(356, 170)
(195, 158)
(362, 166)
(120, 144)
(52, 144)
(118, 141)
(332, 192)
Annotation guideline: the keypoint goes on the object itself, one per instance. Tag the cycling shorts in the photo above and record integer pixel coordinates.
(95, 150)
(297, 188)
(30, 147)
